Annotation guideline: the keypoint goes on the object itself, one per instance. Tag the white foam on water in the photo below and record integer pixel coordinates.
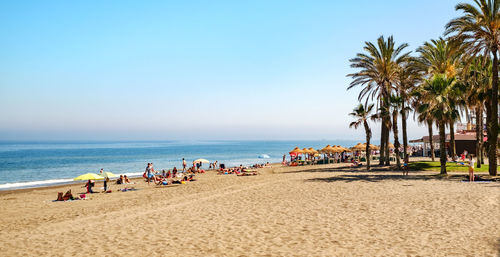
(19, 185)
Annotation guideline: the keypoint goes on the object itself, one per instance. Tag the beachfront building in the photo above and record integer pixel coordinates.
(465, 140)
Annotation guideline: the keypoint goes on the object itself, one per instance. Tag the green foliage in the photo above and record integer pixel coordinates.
(450, 167)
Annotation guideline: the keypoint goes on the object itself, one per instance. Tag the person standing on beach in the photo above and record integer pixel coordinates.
(106, 179)
(183, 165)
(148, 172)
(471, 168)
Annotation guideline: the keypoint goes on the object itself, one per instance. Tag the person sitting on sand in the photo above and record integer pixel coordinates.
(89, 186)
(120, 180)
(174, 172)
(126, 180)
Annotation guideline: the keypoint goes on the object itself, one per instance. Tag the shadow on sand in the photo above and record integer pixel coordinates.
(376, 174)
(384, 177)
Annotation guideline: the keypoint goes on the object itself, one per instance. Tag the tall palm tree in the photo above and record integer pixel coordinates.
(477, 78)
(435, 93)
(424, 116)
(408, 77)
(441, 57)
(479, 31)
(379, 66)
(362, 114)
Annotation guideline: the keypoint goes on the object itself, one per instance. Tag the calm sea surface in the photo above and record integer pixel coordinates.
(33, 164)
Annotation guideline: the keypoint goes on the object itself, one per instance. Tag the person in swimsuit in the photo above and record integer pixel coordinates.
(471, 168)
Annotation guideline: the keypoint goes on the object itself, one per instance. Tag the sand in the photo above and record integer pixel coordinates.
(319, 210)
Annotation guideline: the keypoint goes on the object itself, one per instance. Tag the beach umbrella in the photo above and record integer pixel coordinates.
(108, 174)
(359, 147)
(306, 151)
(296, 150)
(312, 150)
(338, 149)
(201, 160)
(89, 176)
(345, 149)
(391, 146)
(326, 149)
(329, 149)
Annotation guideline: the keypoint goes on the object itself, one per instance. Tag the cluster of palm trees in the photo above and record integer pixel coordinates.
(447, 80)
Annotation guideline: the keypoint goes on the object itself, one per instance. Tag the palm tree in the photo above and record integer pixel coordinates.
(379, 67)
(441, 57)
(362, 114)
(424, 116)
(479, 31)
(435, 93)
(408, 77)
(477, 78)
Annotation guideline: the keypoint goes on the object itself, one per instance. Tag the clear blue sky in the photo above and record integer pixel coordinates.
(193, 69)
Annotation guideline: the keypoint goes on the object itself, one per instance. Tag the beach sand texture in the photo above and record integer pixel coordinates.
(294, 211)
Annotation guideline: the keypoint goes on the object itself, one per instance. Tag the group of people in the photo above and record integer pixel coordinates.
(170, 176)
(239, 171)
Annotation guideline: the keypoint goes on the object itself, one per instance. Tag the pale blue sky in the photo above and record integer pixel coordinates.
(193, 69)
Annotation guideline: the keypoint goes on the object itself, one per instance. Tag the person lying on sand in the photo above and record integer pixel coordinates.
(247, 174)
(356, 163)
(163, 182)
(68, 196)
(190, 178)
(65, 197)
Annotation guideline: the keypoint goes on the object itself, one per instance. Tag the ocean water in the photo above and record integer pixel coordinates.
(35, 164)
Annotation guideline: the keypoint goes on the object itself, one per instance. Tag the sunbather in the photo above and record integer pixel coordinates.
(68, 196)
(120, 180)
(163, 182)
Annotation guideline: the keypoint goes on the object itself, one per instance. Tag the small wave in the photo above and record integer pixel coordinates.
(19, 185)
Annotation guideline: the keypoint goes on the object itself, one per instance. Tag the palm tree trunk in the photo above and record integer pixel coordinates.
(387, 131)
(405, 136)
(429, 127)
(396, 137)
(453, 152)
(481, 121)
(382, 143)
(368, 151)
(442, 148)
(493, 119)
(479, 135)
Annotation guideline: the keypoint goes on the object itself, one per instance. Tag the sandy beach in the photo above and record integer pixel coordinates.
(323, 210)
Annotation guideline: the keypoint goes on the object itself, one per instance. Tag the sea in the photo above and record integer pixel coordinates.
(37, 164)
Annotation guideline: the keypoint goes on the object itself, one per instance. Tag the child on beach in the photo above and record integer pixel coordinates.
(471, 168)
(405, 166)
